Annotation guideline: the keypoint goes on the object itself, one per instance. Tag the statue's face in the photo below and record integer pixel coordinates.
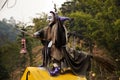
(50, 17)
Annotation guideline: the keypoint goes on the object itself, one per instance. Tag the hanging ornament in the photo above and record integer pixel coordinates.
(23, 42)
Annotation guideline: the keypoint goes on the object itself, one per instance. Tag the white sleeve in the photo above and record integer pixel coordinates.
(50, 44)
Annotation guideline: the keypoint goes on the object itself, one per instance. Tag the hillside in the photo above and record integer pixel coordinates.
(7, 33)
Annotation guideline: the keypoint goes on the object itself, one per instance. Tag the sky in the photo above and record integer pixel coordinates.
(26, 10)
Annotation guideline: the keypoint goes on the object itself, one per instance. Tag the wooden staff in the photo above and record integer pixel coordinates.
(26, 32)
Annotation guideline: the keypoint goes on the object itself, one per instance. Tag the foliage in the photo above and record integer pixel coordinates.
(40, 22)
(9, 58)
(3, 73)
(98, 21)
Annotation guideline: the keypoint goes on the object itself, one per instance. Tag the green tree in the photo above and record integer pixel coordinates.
(98, 20)
(9, 58)
(40, 22)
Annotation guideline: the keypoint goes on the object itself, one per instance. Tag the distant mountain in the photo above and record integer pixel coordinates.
(7, 32)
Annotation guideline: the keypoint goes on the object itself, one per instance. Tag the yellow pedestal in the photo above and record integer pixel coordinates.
(35, 73)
